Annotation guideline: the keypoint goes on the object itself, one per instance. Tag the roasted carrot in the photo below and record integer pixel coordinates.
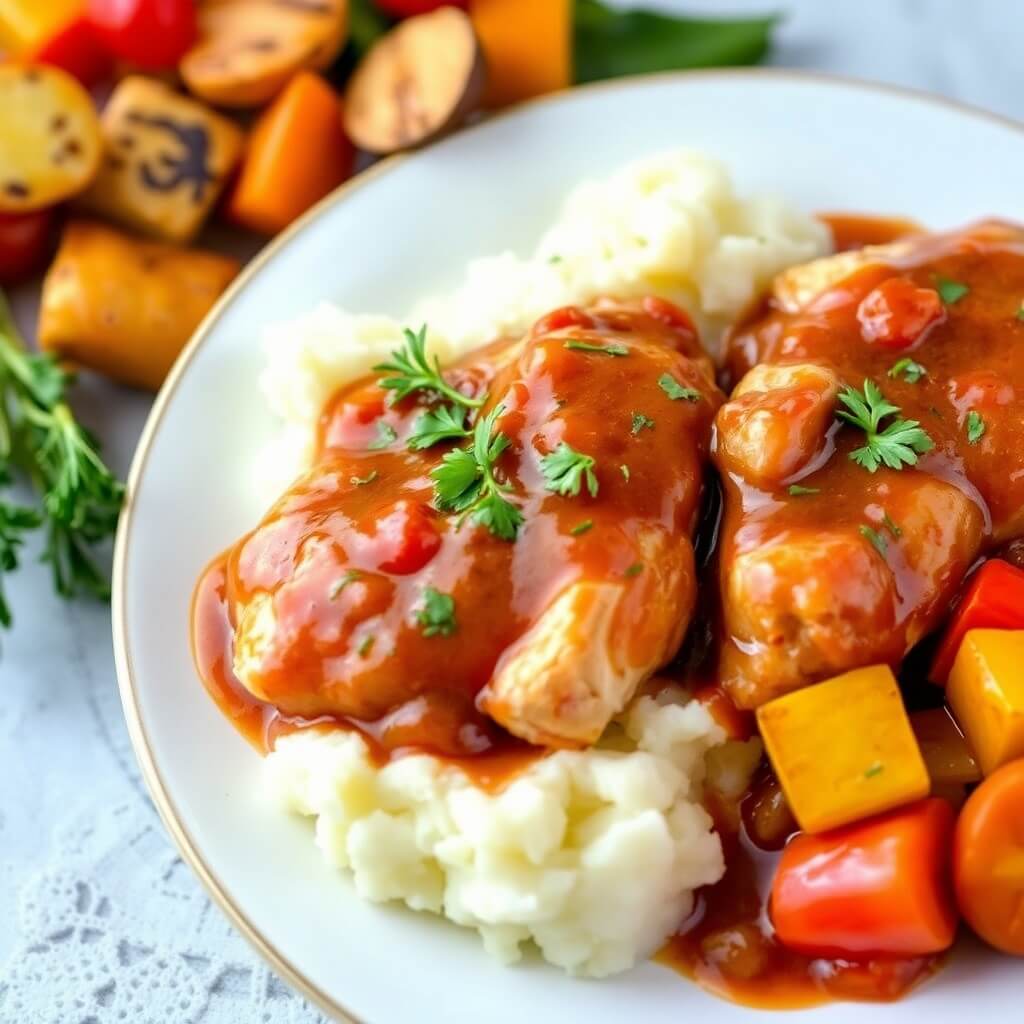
(297, 153)
(527, 45)
(988, 859)
(877, 887)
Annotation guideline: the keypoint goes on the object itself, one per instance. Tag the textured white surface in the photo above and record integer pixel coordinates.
(99, 919)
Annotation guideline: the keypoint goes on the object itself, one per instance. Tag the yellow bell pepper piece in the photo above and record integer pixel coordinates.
(26, 24)
(843, 749)
(986, 692)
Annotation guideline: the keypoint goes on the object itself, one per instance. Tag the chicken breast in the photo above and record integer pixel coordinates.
(840, 546)
(559, 576)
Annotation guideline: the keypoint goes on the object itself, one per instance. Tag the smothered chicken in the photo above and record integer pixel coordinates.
(872, 449)
(509, 542)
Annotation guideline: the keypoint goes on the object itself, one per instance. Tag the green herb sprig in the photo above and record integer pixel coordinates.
(566, 469)
(896, 445)
(412, 371)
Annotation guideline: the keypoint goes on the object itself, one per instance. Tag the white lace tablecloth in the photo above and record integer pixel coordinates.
(100, 921)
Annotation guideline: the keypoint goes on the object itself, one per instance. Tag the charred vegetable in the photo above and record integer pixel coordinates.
(420, 80)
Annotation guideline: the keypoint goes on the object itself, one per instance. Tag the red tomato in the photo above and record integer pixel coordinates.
(897, 313)
(406, 538)
(153, 34)
(24, 239)
(880, 886)
(77, 49)
(407, 8)
(558, 319)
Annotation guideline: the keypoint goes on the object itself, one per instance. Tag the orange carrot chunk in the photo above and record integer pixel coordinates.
(877, 887)
(297, 153)
(988, 859)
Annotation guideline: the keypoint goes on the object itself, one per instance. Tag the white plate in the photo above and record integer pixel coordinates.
(398, 232)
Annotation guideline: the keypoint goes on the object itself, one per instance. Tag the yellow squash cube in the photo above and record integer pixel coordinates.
(843, 749)
(986, 692)
(166, 159)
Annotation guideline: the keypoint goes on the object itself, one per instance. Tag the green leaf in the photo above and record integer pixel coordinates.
(457, 480)
(366, 646)
(897, 445)
(385, 436)
(581, 528)
(445, 424)
(950, 291)
(797, 490)
(641, 422)
(634, 570)
(410, 371)
(894, 528)
(975, 427)
(878, 541)
(609, 43)
(565, 470)
(906, 368)
(613, 349)
(338, 586)
(676, 391)
(437, 615)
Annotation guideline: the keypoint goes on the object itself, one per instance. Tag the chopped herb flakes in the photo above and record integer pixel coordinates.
(896, 445)
(605, 350)
(975, 427)
(624, 470)
(876, 769)
(950, 291)
(880, 544)
(366, 646)
(554, 259)
(339, 585)
(798, 490)
(362, 481)
(676, 391)
(892, 527)
(581, 528)
(641, 422)
(906, 368)
(385, 436)
(1020, 313)
(437, 616)
(566, 469)
(634, 570)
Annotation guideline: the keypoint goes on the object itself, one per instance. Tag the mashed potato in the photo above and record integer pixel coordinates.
(592, 855)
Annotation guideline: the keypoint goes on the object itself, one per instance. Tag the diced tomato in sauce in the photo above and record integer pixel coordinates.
(896, 314)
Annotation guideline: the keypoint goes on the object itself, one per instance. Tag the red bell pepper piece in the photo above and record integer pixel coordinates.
(994, 599)
(24, 241)
(77, 49)
(153, 34)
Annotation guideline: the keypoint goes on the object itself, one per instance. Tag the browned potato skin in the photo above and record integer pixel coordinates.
(249, 49)
(126, 307)
(422, 79)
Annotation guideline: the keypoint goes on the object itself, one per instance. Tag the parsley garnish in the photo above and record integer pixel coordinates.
(437, 616)
(675, 390)
(412, 372)
(881, 545)
(641, 422)
(634, 570)
(366, 646)
(385, 435)
(876, 769)
(465, 481)
(899, 443)
(950, 291)
(582, 527)
(565, 469)
(554, 259)
(362, 481)
(445, 424)
(906, 368)
(339, 585)
(798, 490)
(892, 527)
(1020, 313)
(624, 470)
(975, 427)
(604, 350)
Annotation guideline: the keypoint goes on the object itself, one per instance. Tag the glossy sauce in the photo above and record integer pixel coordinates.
(855, 230)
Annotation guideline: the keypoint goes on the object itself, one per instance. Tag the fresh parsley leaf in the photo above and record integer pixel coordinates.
(339, 585)
(624, 470)
(362, 481)
(565, 470)
(975, 427)
(893, 528)
(950, 291)
(411, 371)
(895, 445)
(634, 570)
(366, 646)
(675, 390)
(464, 482)
(385, 436)
(798, 490)
(581, 528)
(437, 616)
(614, 349)
(881, 545)
(641, 422)
(906, 368)
(875, 769)
(445, 424)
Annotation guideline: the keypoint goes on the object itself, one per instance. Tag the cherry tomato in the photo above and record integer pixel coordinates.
(24, 240)
(408, 8)
(896, 314)
(77, 49)
(153, 34)
(988, 859)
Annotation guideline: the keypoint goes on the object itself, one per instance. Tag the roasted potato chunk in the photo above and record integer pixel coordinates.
(50, 140)
(126, 307)
(166, 160)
